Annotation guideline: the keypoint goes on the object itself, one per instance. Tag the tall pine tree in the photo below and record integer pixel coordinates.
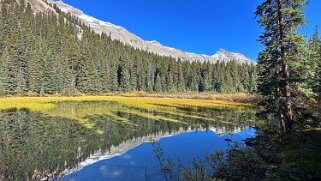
(279, 77)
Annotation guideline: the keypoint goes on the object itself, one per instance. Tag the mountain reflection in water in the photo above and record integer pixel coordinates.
(52, 143)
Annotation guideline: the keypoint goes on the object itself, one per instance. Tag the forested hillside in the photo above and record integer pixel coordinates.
(49, 53)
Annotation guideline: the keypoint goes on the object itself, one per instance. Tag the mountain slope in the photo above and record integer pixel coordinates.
(42, 55)
(40, 6)
(120, 33)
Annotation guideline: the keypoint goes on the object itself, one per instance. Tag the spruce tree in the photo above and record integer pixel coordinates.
(133, 75)
(279, 60)
(194, 79)
(217, 78)
(244, 73)
(181, 80)
(319, 79)
(35, 66)
(253, 78)
(124, 76)
(5, 74)
(158, 83)
(49, 80)
(313, 61)
(170, 81)
(87, 77)
(235, 75)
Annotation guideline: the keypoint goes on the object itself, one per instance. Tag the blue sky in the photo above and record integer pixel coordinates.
(200, 26)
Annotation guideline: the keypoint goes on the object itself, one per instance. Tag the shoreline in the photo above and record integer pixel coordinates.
(148, 102)
(237, 96)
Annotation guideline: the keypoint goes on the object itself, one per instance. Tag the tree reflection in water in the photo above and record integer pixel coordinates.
(42, 145)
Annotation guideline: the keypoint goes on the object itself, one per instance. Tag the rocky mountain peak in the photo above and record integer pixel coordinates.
(226, 56)
(123, 35)
(41, 6)
(222, 51)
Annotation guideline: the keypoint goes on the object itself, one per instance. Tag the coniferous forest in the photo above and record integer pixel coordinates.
(50, 53)
(273, 133)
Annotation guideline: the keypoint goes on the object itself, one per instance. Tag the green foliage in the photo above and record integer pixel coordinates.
(313, 83)
(239, 163)
(45, 54)
(282, 66)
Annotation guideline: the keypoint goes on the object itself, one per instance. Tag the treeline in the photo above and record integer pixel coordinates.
(56, 53)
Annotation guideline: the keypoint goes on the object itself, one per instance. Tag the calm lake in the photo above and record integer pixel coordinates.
(101, 140)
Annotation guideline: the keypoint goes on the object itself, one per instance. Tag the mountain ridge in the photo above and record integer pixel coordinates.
(120, 33)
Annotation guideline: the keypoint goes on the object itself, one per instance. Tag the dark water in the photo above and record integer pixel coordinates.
(79, 137)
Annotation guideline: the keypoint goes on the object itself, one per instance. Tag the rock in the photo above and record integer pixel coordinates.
(123, 35)
(44, 178)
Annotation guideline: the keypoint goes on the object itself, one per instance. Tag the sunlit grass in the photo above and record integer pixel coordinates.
(243, 97)
(152, 103)
(81, 109)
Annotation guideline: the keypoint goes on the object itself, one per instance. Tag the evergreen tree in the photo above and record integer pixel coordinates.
(140, 77)
(87, 74)
(6, 77)
(72, 56)
(311, 85)
(235, 75)
(217, 78)
(35, 66)
(170, 81)
(48, 53)
(194, 76)
(123, 76)
(133, 75)
(49, 80)
(158, 83)
(244, 74)
(181, 80)
(253, 78)
(279, 76)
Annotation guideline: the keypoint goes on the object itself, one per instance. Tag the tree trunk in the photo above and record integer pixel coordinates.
(286, 117)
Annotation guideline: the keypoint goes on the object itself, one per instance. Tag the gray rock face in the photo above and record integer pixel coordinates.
(226, 56)
(123, 35)
(40, 6)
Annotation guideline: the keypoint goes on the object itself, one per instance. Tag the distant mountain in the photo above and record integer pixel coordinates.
(123, 35)
(226, 56)
(57, 53)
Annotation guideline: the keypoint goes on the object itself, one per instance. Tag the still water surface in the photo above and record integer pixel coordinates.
(111, 141)
(140, 163)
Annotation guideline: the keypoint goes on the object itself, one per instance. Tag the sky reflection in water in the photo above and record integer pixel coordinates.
(140, 161)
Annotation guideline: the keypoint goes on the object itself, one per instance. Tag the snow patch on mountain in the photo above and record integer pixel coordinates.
(123, 35)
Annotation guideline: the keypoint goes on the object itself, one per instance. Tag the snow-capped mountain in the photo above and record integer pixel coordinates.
(120, 33)
(225, 56)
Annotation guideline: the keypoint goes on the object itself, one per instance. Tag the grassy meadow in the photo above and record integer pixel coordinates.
(140, 100)
(171, 108)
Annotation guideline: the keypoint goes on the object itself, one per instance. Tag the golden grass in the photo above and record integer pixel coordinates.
(238, 97)
(151, 103)
(139, 106)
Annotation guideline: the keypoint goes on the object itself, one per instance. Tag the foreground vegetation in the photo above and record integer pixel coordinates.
(290, 65)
